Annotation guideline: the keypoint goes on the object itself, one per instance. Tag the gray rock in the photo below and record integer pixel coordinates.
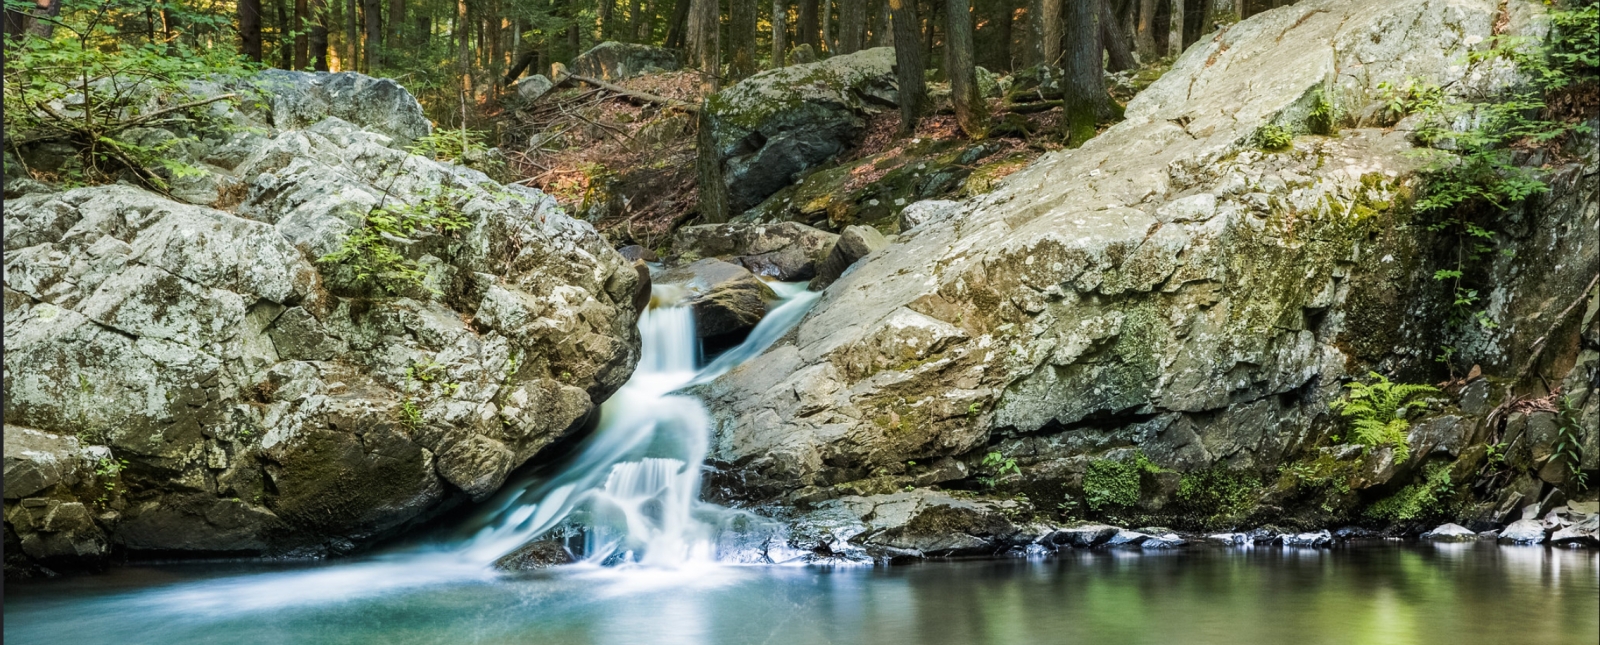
(926, 211)
(614, 61)
(1450, 533)
(539, 554)
(1523, 532)
(1316, 539)
(530, 88)
(855, 242)
(770, 128)
(786, 251)
(726, 297)
(1584, 533)
(917, 524)
(273, 403)
(1081, 537)
(1229, 539)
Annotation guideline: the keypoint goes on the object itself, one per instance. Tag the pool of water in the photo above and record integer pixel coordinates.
(1374, 593)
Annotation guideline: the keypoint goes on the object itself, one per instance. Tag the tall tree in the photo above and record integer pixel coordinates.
(780, 31)
(396, 22)
(371, 32)
(352, 34)
(1221, 12)
(250, 29)
(971, 112)
(1144, 34)
(704, 41)
(825, 16)
(318, 41)
(302, 23)
(1119, 53)
(603, 15)
(805, 25)
(679, 24)
(742, 38)
(1175, 30)
(1084, 93)
(852, 26)
(909, 63)
(1044, 24)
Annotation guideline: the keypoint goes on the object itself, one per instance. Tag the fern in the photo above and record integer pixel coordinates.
(1378, 411)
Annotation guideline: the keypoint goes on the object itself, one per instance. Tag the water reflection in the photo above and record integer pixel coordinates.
(1384, 593)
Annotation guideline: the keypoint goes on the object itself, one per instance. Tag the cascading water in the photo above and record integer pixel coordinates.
(633, 487)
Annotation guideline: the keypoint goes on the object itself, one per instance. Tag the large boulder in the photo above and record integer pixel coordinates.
(614, 61)
(726, 298)
(240, 389)
(1167, 287)
(766, 130)
(786, 251)
(854, 243)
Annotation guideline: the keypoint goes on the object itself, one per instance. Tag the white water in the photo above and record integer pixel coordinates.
(633, 488)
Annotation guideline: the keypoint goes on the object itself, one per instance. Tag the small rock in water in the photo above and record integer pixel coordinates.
(1081, 537)
(1450, 533)
(1128, 538)
(1586, 533)
(1523, 532)
(1317, 539)
(1229, 539)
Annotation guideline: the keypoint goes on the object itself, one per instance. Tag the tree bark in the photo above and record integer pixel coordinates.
(1044, 22)
(1084, 95)
(302, 41)
(1220, 12)
(1144, 34)
(704, 41)
(604, 17)
(679, 25)
(371, 33)
(318, 42)
(780, 32)
(1118, 51)
(805, 25)
(883, 31)
(1175, 30)
(908, 62)
(352, 35)
(972, 114)
(742, 38)
(852, 26)
(396, 41)
(250, 29)
(285, 44)
(42, 22)
(463, 35)
(825, 16)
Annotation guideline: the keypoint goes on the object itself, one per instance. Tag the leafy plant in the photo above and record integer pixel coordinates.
(1273, 137)
(1419, 500)
(995, 466)
(373, 252)
(1324, 115)
(1217, 495)
(1112, 483)
(455, 144)
(1378, 411)
(1569, 442)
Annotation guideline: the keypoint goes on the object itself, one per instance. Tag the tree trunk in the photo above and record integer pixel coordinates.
(396, 41)
(463, 34)
(1220, 12)
(805, 27)
(780, 32)
(1084, 96)
(319, 35)
(679, 24)
(1144, 35)
(1175, 30)
(704, 41)
(301, 36)
(825, 14)
(883, 35)
(250, 29)
(852, 26)
(742, 38)
(352, 35)
(1044, 21)
(285, 43)
(371, 33)
(972, 114)
(42, 22)
(908, 62)
(1118, 51)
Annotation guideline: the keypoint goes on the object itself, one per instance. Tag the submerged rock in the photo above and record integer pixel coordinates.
(245, 393)
(1451, 533)
(1316, 539)
(1523, 532)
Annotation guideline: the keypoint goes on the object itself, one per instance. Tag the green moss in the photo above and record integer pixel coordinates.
(1219, 497)
(1110, 483)
(1427, 497)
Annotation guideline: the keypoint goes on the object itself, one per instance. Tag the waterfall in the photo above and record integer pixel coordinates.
(633, 487)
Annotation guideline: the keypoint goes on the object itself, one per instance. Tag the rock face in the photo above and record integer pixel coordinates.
(1165, 290)
(614, 61)
(854, 243)
(786, 251)
(181, 378)
(770, 127)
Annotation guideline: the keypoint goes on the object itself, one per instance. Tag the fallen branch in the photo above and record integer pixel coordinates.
(635, 94)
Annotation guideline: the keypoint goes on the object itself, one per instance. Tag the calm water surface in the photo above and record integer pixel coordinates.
(1378, 593)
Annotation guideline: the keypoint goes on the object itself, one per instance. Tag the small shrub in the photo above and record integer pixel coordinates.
(1421, 499)
(1273, 137)
(1569, 442)
(1378, 411)
(1218, 496)
(372, 252)
(994, 466)
(1110, 483)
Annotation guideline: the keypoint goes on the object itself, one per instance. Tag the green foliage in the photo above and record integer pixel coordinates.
(1569, 442)
(96, 81)
(1109, 483)
(373, 252)
(995, 466)
(1218, 496)
(457, 144)
(1377, 413)
(1422, 499)
(1324, 115)
(1273, 137)
(410, 413)
(108, 469)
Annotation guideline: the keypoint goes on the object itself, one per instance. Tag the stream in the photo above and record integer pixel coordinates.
(657, 565)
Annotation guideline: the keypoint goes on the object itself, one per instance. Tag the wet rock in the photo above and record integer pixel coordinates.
(1584, 533)
(1523, 532)
(922, 523)
(854, 243)
(1229, 539)
(770, 128)
(1126, 538)
(538, 554)
(614, 61)
(1316, 539)
(786, 251)
(635, 252)
(1450, 533)
(1081, 537)
(726, 297)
